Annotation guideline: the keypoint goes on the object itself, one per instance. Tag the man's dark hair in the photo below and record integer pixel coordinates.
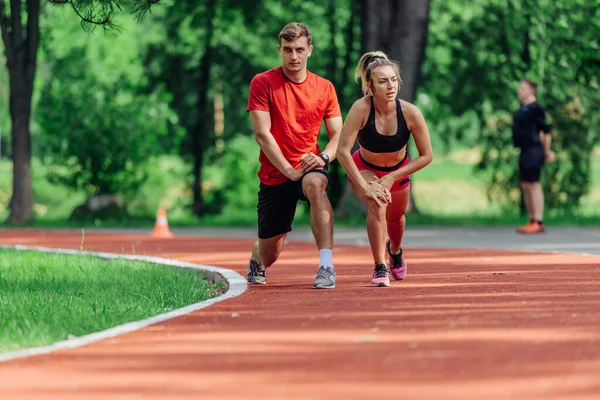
(531, 84)
(294, 30)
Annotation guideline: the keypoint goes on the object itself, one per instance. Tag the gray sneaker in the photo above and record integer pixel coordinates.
(325, 278)
(256, 273)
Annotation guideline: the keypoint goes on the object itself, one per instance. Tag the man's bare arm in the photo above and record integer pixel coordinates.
(546, 140)
(261, 122)
(334, 129)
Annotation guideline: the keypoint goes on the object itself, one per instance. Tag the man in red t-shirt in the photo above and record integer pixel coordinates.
(287, 106)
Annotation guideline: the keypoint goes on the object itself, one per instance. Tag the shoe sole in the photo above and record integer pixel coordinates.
(323, 287)
(256, 283)
(380, 285)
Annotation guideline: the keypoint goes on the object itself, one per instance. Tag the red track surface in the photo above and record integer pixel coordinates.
(463, 325)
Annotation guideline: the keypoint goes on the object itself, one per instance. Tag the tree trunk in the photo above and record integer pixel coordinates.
(204, 125)
(399, 29)
(21, 46)
(343, 206)
(21, 204)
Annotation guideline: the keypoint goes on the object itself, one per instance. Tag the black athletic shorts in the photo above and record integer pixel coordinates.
(531, 162)
(277, 206)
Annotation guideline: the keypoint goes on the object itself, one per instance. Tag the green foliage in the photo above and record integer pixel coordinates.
(475, 59)
(94, 13)
(101, 95)
(97, 128)
(167, 186)
(231, 182)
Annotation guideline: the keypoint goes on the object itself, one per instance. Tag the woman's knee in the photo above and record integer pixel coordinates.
(395, 219)
(378, 211)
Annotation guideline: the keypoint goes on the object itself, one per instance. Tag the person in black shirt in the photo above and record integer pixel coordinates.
(531, 134)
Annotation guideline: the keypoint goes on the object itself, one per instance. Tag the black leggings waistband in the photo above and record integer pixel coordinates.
(380, 168)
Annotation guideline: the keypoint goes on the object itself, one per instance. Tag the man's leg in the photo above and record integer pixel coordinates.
(314, 188)
(537, 202)
(534, 200)
(276, 209)
(528, 195)
(264, 254)
(267, 251)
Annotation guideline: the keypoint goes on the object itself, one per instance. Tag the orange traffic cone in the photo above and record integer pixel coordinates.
(161, 227)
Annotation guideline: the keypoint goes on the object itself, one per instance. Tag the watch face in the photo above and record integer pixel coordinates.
(325, 157)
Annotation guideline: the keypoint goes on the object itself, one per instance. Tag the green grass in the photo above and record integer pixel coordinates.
(45, 298)
(442, 169)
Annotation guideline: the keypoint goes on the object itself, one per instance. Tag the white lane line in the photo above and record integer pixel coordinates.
(237, 285)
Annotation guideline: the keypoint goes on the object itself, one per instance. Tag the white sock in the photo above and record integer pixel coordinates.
(326, 258)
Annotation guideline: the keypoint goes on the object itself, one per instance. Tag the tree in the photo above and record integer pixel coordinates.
(98, 128)
(398, 28)
(342, 17)
(480, 52)
(21, 44)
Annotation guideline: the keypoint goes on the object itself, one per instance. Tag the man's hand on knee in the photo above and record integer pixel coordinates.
(311, 161)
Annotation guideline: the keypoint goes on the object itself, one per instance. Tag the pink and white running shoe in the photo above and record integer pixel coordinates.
(381, 276)
(398, 266)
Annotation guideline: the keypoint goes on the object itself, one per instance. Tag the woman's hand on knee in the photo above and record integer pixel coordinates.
(378, 194)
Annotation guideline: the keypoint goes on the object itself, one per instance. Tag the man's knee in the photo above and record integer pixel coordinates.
(315, 188)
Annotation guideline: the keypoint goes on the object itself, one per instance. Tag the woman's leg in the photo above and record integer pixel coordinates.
(376, 228)
(395, 219)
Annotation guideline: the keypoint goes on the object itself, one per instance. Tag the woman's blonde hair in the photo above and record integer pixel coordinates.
(368, 63)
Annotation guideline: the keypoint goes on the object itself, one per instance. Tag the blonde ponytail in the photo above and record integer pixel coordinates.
(368, 63)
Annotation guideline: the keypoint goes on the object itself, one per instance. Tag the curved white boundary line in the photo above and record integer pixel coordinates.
(237, 285)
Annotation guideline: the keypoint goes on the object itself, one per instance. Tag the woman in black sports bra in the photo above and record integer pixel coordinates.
(379, 171)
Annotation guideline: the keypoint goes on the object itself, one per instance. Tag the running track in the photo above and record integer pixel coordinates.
(465, 324)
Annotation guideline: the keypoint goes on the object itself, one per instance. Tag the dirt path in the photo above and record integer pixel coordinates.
(464, 325)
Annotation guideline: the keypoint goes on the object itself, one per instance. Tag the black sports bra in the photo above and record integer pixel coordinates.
(370, 139)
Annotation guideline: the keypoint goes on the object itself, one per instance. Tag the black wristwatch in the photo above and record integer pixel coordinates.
(325, 158)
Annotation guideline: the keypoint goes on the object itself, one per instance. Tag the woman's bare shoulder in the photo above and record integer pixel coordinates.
(362, 104)
(410, 110)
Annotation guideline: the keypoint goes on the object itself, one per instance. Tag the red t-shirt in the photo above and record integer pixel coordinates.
(297, 111)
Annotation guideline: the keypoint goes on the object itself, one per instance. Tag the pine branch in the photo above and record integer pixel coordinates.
(95, 13)
(142, 8)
